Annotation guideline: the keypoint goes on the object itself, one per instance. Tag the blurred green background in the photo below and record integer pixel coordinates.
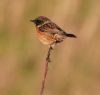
(75, 66)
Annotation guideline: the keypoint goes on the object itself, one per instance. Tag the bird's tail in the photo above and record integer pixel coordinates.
(70, 35)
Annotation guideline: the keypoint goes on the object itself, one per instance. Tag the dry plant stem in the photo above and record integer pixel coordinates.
(46, 70)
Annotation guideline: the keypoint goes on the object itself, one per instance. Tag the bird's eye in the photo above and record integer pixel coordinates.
(38, 22)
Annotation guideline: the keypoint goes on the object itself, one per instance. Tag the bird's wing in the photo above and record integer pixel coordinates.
(54, 29)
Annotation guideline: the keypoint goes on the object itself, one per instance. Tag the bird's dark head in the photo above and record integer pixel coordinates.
(40, 20)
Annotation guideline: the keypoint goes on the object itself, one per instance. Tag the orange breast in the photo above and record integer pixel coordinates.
(45, 38)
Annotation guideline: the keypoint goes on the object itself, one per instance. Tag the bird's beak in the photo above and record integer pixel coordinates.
(32, 20)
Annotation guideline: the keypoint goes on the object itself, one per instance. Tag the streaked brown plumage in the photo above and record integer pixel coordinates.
(48, 32)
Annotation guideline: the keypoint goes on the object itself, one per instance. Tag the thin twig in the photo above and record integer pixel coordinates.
(46, 70)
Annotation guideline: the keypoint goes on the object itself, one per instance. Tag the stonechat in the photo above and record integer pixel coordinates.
(48, 32)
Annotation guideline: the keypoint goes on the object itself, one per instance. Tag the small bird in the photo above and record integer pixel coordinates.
(48, 32)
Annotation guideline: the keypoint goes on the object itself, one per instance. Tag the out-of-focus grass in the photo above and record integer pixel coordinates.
(75, 62)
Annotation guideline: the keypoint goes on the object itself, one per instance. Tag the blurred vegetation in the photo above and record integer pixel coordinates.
(75, 67)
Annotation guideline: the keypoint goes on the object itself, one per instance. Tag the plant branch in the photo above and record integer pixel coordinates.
(46, 70)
